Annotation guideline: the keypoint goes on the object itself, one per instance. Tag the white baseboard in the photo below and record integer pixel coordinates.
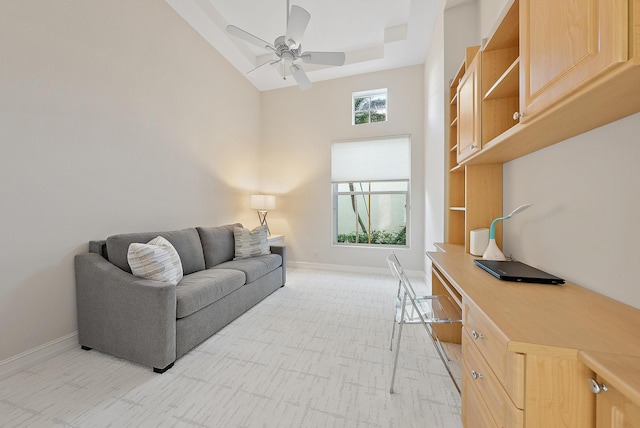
(353, 269)
(34, 356)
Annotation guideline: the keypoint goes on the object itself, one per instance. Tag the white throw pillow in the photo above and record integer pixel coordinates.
(251, 243)
(157, 260)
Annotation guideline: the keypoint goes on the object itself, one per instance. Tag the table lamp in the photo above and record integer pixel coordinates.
(263, 203)
(493, 252)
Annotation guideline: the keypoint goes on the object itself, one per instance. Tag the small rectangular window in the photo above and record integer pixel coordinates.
(369, 106)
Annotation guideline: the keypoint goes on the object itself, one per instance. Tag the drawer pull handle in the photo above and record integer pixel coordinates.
(596, 387)
(477, 335)
(476, 375)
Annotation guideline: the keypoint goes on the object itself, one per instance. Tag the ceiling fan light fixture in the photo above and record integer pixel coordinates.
(287, 56)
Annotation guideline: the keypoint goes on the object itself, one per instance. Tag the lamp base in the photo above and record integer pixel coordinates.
(493, 252)
(262, 216)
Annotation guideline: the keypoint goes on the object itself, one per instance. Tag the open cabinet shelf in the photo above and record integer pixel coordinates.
(474, 192)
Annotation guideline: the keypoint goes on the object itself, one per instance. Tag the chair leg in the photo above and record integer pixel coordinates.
(393, 333)
(441, 353)
(395, 359)
(438, 344)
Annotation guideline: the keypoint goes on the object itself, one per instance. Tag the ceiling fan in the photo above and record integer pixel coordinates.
(288, 48)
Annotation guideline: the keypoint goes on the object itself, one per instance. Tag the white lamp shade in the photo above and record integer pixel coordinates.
(263, 202)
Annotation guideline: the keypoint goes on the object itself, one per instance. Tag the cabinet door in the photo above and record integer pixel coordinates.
(566, 43)
(469, 111)
(614, 410)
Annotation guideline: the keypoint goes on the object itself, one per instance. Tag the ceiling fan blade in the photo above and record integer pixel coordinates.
(296, 24)
(300, 76)
(232, 29)
(324, 58)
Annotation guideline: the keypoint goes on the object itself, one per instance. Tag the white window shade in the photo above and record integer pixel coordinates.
(381, 159)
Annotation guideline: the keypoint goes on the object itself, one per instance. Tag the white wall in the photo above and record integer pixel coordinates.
(489, 12)
(114, 117)
(434, 130)
(298, 128)
(455, 29)
(461, 30)
(584, 224)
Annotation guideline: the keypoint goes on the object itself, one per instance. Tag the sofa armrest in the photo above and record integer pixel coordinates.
(282, 250)
(123, 315)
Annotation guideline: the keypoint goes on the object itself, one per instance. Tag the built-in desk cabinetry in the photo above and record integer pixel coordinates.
(617, 401)
(531, 351)
(571, 46)
(614, 410)
(468, 93)
(501, 76)
(549, 70)
(474, 192)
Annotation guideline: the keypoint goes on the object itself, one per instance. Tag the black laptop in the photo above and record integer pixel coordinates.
(517, 271)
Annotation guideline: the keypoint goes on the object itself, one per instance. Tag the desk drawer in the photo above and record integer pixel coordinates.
(475, 413)
(508, 367)
(478, 372)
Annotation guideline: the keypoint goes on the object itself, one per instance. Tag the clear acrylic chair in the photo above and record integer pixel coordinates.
(425, 310)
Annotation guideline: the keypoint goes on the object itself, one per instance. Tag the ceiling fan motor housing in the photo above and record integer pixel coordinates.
(285, 52)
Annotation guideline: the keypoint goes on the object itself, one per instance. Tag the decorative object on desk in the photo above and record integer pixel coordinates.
(479, 240)
(493, 252)
(263, 203)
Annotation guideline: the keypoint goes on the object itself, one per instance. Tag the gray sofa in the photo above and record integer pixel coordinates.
(154, 323)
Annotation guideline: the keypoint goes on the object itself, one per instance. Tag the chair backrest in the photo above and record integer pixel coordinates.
(401, 275)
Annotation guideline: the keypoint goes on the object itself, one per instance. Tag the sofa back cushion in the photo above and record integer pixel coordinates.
(218, 244)
(185, 241)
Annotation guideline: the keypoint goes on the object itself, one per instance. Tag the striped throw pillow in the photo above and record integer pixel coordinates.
(157, 260)
(251, 243)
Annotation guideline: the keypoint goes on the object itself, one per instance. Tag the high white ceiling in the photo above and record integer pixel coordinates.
(374, 34)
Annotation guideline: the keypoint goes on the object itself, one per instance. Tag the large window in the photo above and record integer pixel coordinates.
(369, 106)
(370, 180)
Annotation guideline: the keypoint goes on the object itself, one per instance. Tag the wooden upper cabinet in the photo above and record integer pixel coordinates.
(566, 43)
(469, 110)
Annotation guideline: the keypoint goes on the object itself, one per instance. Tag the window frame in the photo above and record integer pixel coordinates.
(369, 93)
(335, 193)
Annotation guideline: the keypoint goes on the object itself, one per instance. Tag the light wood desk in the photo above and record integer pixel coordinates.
(538, 346)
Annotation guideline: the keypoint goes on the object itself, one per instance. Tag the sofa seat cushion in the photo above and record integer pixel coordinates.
(202, 288)
(254, 267)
